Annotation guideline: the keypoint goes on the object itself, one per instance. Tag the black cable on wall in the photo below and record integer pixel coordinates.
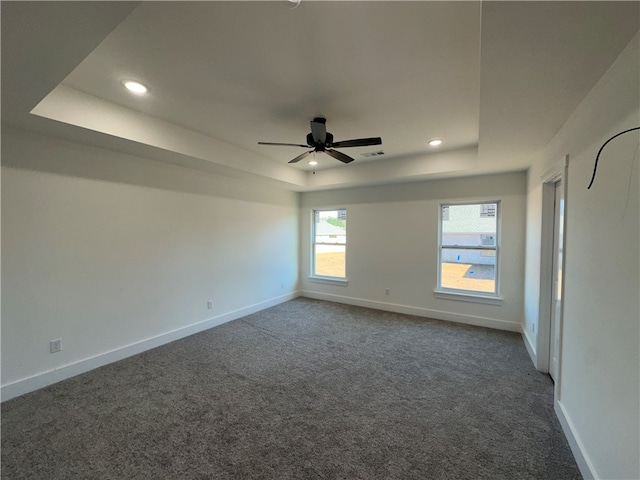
(595, 166)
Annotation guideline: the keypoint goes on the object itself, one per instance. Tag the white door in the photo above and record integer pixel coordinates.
(556, 284)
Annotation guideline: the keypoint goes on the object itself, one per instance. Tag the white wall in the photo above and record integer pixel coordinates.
(598, 393)
(392, 238)
(532, 260)
(115, 254)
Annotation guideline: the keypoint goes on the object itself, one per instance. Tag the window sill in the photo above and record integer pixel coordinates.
(342, 282)
(468, 297)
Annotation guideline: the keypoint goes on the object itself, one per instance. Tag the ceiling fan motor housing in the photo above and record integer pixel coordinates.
(319, 146)
(322, 141)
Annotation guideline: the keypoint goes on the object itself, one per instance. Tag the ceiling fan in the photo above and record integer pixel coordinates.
(319, 140)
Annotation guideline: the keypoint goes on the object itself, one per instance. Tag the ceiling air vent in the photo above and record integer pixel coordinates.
(373, 154)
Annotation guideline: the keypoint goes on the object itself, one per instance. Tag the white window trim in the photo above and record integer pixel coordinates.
(341, 281)
(475, 296)
(467, 296)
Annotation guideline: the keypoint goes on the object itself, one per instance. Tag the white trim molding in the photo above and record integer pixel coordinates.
(468, 297)
(558, 172)
(582, 459)
(555, 171)
(341, 282)
(417, 311)
(44, 379)
(528, 344)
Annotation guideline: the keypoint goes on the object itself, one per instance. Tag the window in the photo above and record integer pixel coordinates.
(469, 245)
(488, 209)
(329, 239)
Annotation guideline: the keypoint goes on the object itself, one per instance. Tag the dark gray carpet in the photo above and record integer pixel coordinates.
(305, 390)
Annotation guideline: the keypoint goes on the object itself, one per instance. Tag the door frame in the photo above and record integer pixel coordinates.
(544, 335)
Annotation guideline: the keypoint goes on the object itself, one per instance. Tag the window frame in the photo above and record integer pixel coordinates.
(478, 296)
(313, 275)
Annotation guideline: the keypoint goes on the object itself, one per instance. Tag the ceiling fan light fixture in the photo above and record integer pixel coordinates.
(135, 87)
(435, 142)
(313, 163)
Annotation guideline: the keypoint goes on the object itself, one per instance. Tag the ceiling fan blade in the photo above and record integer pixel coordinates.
(300, 157)
(284, 144)
(319, 130)
(338, 155)
(358, 142)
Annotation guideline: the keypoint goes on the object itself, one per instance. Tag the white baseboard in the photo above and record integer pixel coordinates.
(50, 377)
(582, 459)
(418, 311)
(527, 343)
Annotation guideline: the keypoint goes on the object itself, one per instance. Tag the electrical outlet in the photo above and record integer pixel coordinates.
(282, 285)
(387, 292)
(55, 345)
(209, 304)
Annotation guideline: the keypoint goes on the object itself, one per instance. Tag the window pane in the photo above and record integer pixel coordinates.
(331, 226)
(466, 225)
(329, 243)
(330, 260)
(473, 225)
(445, 212)
(488, 210)
(468, 269)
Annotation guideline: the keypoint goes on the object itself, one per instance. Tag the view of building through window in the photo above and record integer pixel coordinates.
(469, 247)
(329, 243)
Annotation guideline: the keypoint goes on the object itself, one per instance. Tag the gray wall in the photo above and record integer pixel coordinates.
(392, 243)
(115, 254)
(598, 390)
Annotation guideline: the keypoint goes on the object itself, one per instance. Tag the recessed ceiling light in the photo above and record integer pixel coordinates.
(313, 163)
(435, 142)
(135, 87)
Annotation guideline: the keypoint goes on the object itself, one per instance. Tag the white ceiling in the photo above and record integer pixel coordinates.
(494, 80)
